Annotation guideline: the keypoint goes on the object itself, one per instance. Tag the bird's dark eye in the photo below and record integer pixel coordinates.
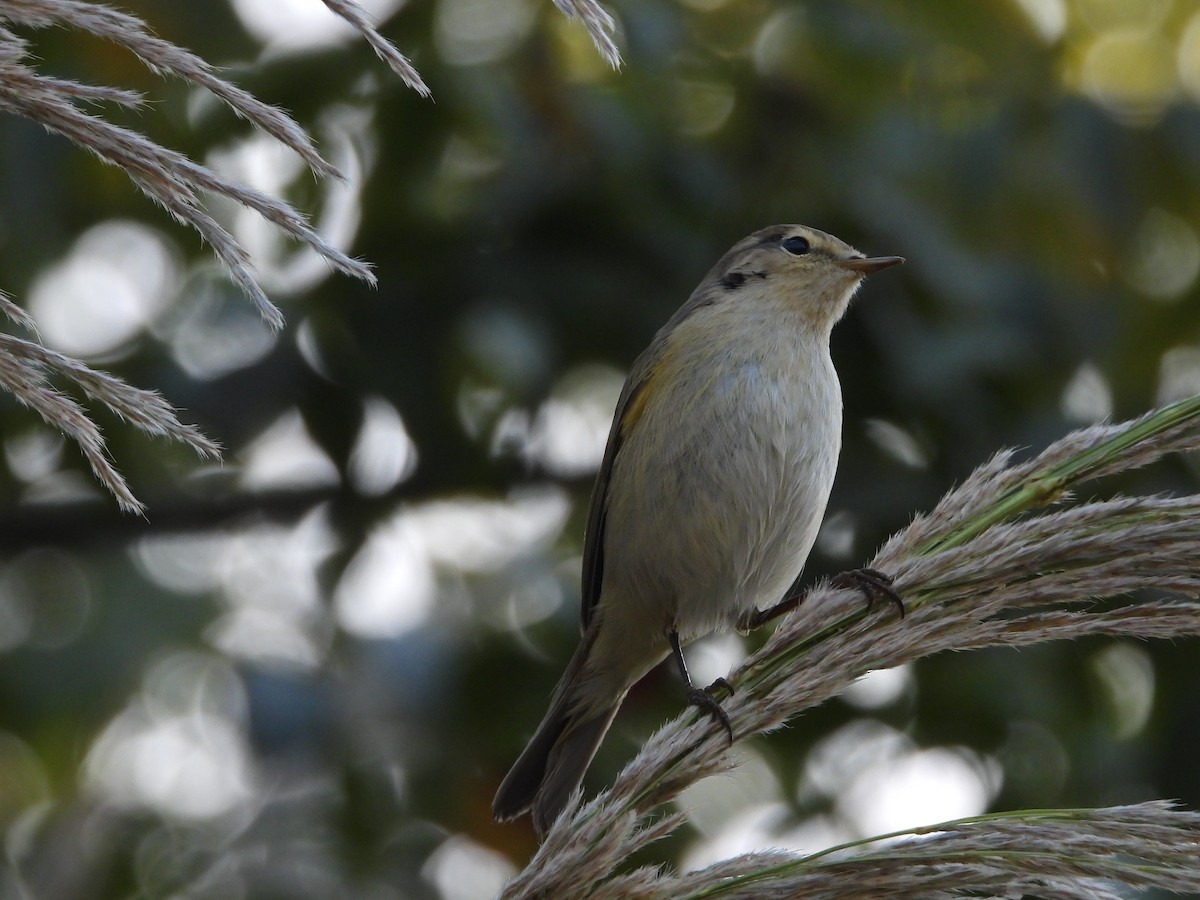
(796, 245)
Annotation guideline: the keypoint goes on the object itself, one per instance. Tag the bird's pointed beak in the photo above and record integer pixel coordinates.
(868, 265)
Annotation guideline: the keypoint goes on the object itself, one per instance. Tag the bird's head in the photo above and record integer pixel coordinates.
(809, 270)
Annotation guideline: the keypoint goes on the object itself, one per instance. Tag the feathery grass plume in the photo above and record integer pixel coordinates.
(384, 49)
(1071, 853)
(164, 58)
(25, 370)
(167, 177)
(599, 25)
(989, 566)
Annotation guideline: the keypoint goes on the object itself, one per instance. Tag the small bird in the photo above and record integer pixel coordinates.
(719, 464)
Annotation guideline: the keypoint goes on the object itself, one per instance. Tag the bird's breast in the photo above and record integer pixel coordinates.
(716, 495)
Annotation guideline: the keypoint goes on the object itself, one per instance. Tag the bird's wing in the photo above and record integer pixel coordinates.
(649, 366)
(630, 407)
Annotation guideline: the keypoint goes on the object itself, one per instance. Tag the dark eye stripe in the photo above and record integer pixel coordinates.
(735, 279)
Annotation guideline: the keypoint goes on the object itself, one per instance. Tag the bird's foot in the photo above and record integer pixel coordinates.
(872, 584)
(703, 699)
(723, 685)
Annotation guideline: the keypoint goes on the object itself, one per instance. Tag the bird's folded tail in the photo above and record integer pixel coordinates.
(553, 763)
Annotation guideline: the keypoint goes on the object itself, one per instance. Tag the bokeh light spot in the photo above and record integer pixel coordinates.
(1087, 397)
(1179, 374)
(190, 767)
(1126, 672)
(897, 443)
(384, 454)
(45, 599)
(715, 656)
(1048, 18)
(1164, 257)
(569, 431)
(735, 814)
(174, 749)
(879, 687)
(704, 106)
(837, 535)
(182, 563)
(268, 575)
(1131, 73)
(780, 46)
(117, 277)
(462, 869)
(214, 331)
(880, 781)
(302, 24)
(1189, 57)
(920, 787)
(32, 455)
(471, 32)
(711, 802)
(389, 587)
(1103, 15)
(286, 456)
(1036, 763)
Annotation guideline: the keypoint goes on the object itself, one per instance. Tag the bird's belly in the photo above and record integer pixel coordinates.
(724, 521)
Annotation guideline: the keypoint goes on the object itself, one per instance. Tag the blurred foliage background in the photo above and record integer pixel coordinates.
(304, 674)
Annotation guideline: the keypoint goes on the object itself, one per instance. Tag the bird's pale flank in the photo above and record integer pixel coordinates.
(719, 464)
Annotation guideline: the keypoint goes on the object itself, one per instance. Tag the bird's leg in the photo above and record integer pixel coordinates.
(873, 584)
(702, 697)
(754, 619)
